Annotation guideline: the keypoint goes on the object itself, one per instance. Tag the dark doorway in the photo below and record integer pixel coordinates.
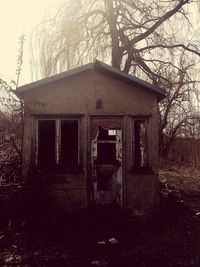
(46, 143)
(106, 153)
(69, 144)
(106, 147)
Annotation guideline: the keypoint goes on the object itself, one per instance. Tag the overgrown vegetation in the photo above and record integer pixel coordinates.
(11, 126)
(170, 238)
(10, 135)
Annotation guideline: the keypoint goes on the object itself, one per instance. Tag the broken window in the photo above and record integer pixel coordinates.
(140, 143)
(46, 143)
(106, 146)
(57, 143)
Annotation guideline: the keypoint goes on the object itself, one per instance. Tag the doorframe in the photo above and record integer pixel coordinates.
(90, 193)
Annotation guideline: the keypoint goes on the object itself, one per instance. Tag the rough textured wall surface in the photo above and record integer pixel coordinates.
(142, 193)
(93, 93)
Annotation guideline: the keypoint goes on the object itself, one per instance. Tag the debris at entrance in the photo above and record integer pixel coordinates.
(96, 262)
(113, 241)
(99, 263)
(102, 243)
(168, 193)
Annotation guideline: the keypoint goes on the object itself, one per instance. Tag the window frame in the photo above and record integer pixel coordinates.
(135, 167)
(57, 120)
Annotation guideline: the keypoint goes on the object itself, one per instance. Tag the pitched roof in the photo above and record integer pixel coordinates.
(99, 67)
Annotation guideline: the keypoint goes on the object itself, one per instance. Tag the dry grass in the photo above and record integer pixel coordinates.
(184, 179)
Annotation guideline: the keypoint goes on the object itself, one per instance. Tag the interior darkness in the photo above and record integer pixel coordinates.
(103, 135)
(106, 152)
(69, 144)
(46, 143)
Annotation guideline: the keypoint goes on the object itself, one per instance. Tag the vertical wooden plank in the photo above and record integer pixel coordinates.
(36, 142)
(79, 141)
(58, 141)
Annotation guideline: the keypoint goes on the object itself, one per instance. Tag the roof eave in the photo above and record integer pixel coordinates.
(69, 73)
(98, 66)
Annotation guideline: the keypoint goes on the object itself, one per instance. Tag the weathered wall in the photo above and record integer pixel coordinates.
(142, 193)
(65, 191)
(78, 95)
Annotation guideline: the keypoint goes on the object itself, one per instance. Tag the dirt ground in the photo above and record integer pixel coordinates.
(170, 237)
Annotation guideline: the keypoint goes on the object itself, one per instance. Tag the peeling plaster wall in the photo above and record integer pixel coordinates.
(93, 93)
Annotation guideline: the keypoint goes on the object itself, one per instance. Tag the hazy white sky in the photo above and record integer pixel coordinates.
(19, 17)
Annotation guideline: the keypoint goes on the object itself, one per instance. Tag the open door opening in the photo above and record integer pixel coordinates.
(107, 163)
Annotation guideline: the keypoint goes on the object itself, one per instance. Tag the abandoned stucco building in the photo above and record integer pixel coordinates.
(92, 134)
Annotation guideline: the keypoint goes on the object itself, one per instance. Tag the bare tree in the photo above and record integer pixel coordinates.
(144, 38)
(11, 124)
(20, 57)
(177, 111)
(123, 31)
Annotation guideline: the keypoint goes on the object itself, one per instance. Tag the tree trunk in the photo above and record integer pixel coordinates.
(111, 17)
